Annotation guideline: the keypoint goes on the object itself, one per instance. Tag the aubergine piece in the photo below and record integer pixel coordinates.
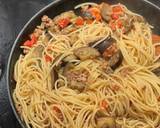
(37, 51)
(129, 22)
(110, 52)
(106, 11)
(85, 53)
(113, 55)
(115, 60)
(87, 15)
(54, 76)
(69, 14)
(156, 71)
(69, 58)
(101, 46)
(101, 113)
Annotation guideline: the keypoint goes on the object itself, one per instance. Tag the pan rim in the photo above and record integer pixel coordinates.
(22, 124)
(20, 121)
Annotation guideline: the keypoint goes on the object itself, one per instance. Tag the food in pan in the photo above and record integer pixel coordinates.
(96, 66)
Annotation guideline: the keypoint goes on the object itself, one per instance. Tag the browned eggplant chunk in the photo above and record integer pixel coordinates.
(106, 11)
(85, 53)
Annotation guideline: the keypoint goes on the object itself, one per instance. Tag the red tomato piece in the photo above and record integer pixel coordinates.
(28, 43)
(117, 9)
(79, 21)
(48, 58)
(103, 104)
(115, 16)
(64, 22)
(119, 24)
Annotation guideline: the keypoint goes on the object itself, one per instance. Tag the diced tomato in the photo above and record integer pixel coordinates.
(33, 39)
(103, 104)
(117, 9)
(30, 43)
(119, 24)
(96, 13)
(58, 112)
(56, 109)
(98, 17)
(63, 22)
(48, 58)
(112, 25)
(94, 10)
(115, 16)
(155, 38)
(79, 21)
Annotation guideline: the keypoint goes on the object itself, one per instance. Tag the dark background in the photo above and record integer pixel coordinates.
(13, 16)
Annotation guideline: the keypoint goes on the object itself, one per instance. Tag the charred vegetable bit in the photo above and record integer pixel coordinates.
(86, 53)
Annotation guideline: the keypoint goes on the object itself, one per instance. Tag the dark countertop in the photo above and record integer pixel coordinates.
(13, 15)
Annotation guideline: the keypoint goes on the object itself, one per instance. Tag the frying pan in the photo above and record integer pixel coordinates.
(150, 11)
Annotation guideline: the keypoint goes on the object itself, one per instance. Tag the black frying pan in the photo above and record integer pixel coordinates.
(150, 11)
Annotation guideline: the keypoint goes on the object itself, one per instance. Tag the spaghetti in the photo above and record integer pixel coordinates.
(59, 87)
